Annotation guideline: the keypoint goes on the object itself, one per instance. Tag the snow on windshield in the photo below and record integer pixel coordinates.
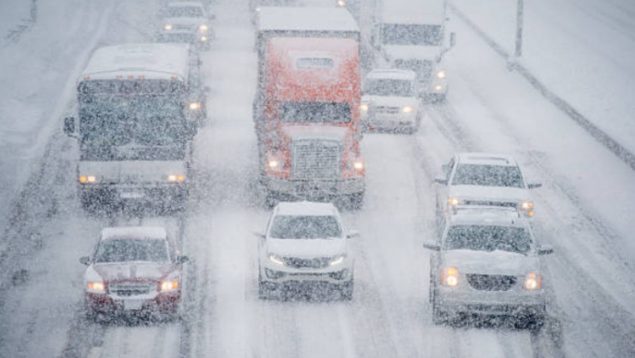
(305, 227)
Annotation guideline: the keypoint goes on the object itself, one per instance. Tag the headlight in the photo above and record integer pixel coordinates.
(276, 259)
(406, 109)
(341, 3)
(176, 178)
(441, 74)
(533, 281)
(167, 27)
(453, 201)
(337, 260)
(450, 276)
(273, 162)
(169, 285)
(96, 287)
(194, 106)
(363, 107)
(203, 38)
(438, 88)
(87, 179)
(202, 28)
(358, 164)
(527, 207)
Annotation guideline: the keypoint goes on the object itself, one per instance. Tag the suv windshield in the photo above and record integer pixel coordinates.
(305, 227)
(388, 87)
(185, 11)
(488, 175)
(315, 112)
(123, 250)
(412, 34)
(488, 238)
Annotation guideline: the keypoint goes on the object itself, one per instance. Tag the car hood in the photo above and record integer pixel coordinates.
(306, 248)
(316, 132)
(131, 271)
(406, 52)
(490, 263)
(394, 101)
(492, 193)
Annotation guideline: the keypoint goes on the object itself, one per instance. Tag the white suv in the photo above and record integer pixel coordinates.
(186, 21)
(487, 262)
(390, 101)
(305, 248)
(483, 179)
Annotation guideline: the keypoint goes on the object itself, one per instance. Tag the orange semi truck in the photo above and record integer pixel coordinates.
(306, 109)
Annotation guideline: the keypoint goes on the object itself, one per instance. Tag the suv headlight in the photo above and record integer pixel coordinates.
(441, 74)
(450, 276)
(95, 287)
(533, 281)
(167, 27)
(337, 260)
(407, 109)
(527, 207)
(203, 28)
(176, 178)
(169, 285)
(453, 201)
(276, 259)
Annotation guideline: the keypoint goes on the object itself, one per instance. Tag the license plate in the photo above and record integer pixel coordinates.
(131, 194)
(132, 304)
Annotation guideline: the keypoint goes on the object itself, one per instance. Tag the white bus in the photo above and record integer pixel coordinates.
(138, 109)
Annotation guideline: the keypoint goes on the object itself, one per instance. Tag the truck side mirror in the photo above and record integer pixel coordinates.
(431, 245)
(84, 260)
(545, 250)
(69, 126)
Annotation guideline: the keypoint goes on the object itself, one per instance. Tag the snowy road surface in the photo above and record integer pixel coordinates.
(583, 210)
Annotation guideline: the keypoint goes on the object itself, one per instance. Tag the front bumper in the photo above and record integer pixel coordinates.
(278, 275)
(503, 303)
(314, 189)
(98, 194)
(115, 305)
(388, 121)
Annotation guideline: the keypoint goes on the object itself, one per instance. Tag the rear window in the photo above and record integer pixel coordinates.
(315, 112)
(488, 238)
(488, 175)
(124, 250)
(305, 227)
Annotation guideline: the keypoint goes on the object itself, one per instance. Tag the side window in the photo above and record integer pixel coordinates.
(448, 170)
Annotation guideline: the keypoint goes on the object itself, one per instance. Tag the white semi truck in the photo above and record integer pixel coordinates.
(411, 35)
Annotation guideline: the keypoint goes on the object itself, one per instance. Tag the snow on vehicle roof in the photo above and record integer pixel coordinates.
(486, 159)
(305, 208)
(413, 12)
(134, 232)
(306, 19)
(487, 215)
(389, 73)
(149, 61)
(185, 4)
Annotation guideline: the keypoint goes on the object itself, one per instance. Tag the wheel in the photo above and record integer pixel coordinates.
(346, 290)
(263, 291)
(438, 317)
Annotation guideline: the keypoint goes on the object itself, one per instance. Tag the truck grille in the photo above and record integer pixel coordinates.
(318, 262)
(316, 159)
(131, 289)
(387, 109)
(423, 68)
(491, 282)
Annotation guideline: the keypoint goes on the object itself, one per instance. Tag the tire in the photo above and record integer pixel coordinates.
(263, 291)
(438, 317)
(346, 290)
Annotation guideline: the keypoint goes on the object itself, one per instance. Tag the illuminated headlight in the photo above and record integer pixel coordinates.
(203, 38)
(533, 281)
(453, 201)
(195, 106)
(176, 178)
(87, 179)
(527, 207)
(406, 109)
(167, 27)
(441, 74)
(341, 3)
(363, 107)
(202, 28)
(337, 260)
(96, 287)
(438, 88)
(450, 276)
(273, 162)
(276, 259)
(169, 285)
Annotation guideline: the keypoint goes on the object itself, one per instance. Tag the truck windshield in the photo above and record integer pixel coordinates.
(412, 34)
(305, 227)
(185, 11)
(149, 127)
(315, 112)
(488, 238)
(388, 87)
(488, 175)
(125, 250)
